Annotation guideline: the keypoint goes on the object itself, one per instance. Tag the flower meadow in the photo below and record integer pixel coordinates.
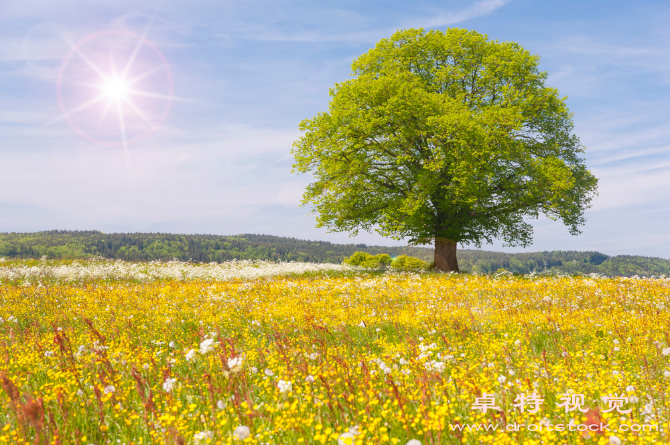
(263, 353)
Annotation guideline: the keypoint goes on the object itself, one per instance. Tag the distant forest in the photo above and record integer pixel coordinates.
(214, 248)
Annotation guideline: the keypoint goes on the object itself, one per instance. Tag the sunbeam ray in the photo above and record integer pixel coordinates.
(104, 112)
(124, 138)
(113, 65)
(160, 96)
(138, 111)
(140, 42)
(88, 61)
(78, 109)
(145, 75)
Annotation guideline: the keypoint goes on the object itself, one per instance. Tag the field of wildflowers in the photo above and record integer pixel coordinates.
(263, 353)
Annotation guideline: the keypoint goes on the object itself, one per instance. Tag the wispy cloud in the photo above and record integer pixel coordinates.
(444, 18)
(584, 45)
(437, 18)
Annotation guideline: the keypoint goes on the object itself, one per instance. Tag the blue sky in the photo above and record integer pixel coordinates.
(244, 73)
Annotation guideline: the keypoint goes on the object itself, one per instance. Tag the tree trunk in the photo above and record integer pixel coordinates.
(445, 255)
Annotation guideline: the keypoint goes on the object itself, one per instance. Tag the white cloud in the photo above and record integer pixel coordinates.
(159, 180)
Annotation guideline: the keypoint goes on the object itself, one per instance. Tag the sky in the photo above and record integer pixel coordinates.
(219, 88)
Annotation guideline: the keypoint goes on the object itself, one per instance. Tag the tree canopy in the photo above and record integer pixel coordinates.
(447, 137)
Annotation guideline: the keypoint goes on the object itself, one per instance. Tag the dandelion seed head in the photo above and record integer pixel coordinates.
(242, 432)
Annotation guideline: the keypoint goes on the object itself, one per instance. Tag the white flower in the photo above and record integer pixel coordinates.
(517, 342)
(403, 362)
(190, 355)
(666, 373)
(235, 364)
(615, 341)
(384, 368)
(207, 345)
(145, 366)
(168, 384)
(109, 389)
(617, 349)
(309, 378)
(648, 408)
(313, 356)
(241, 432)
(171, 344)
(666, 351)
(254, 370)
(413, 442)
(434, 366)
(220, 404)
(615, 372)
(48, 353)
(346, 439)
(361, 325)
(80, 392)
(378, 330)
(492, 365)
(502, 379)
(630, 388)
(511, 372)
(614, 440)
(268, 372)
(202, 436)
(406, 371)
(633, 399)
(284, 386)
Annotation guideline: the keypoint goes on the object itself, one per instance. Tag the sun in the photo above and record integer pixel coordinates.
(114, 87)
(116, 90)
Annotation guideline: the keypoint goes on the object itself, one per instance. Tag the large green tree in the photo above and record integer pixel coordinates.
(444, 137)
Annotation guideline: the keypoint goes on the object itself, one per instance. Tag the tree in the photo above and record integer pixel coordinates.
(446, 137)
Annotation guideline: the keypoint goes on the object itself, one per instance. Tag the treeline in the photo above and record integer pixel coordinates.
(570, 262)
(215, 248)
(200, 248)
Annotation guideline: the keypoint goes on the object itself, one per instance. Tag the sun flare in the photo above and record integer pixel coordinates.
(131, 85)
(116, 89)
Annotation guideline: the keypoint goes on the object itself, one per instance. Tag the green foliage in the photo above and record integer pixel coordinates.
(357, 259)
(364, 259)
(404, 262)
(444, 134)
